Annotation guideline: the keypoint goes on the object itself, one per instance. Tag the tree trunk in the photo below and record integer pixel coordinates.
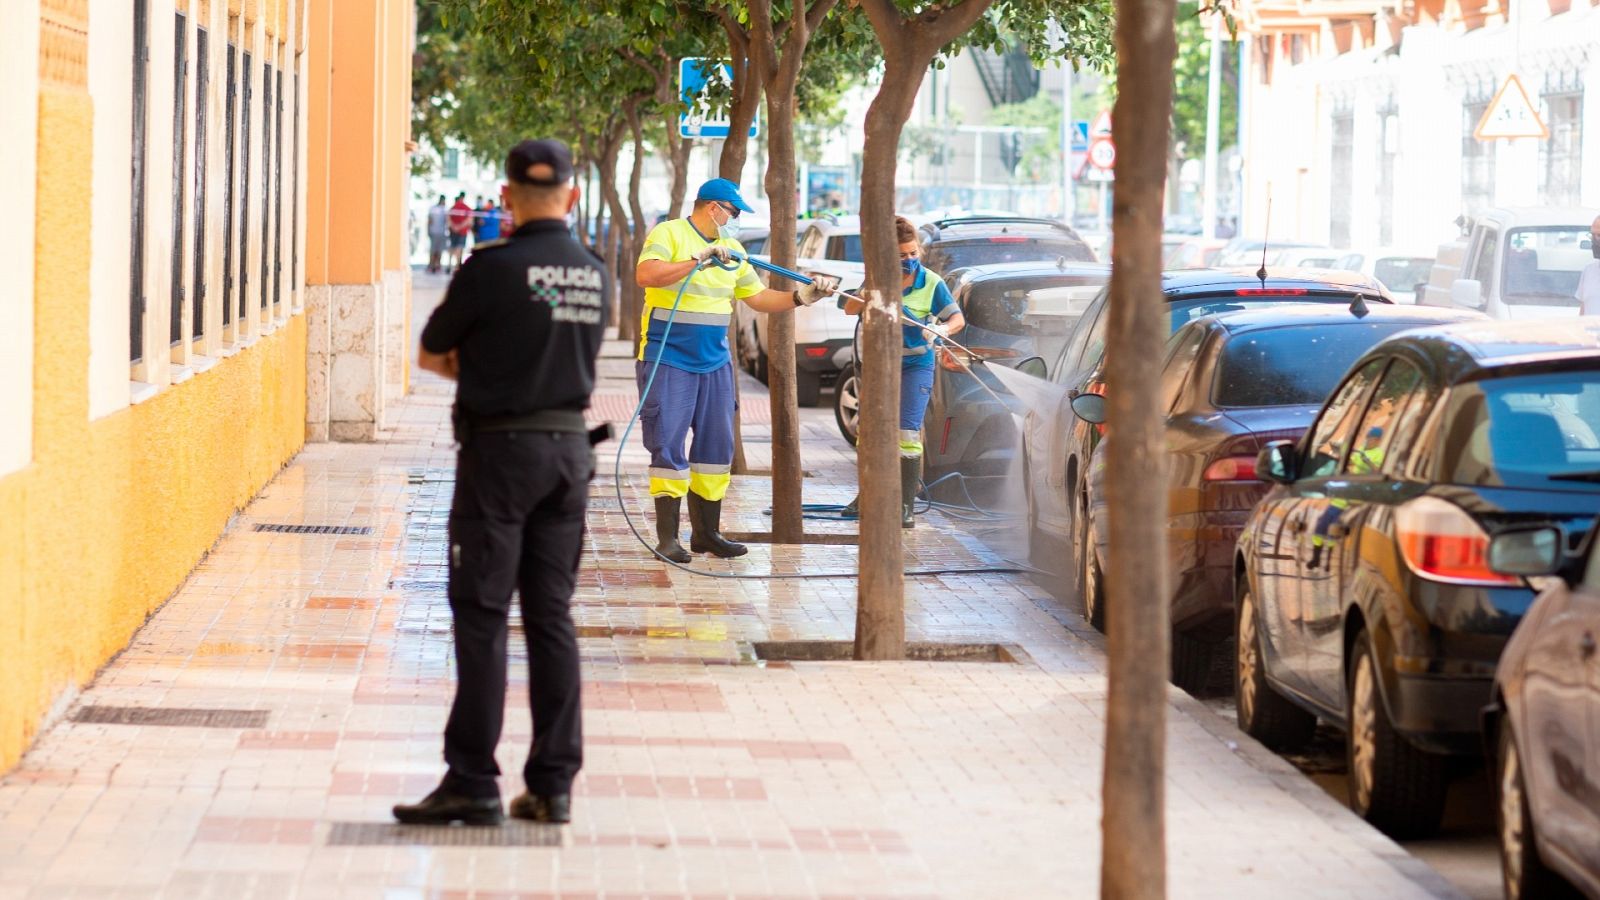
(787, 525)
(880, 595)
(1133, 849)
(627, 319)
(746, 100)
(634, 307)
(678, 151)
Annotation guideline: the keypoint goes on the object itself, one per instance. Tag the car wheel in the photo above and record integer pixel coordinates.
(1191, 662)
(847, 403)
(807, 388)
(1522, 872)
(1091, 582)
(1262, 712)
(1396, 787)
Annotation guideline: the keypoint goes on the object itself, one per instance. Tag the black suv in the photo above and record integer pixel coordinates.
(950, 244)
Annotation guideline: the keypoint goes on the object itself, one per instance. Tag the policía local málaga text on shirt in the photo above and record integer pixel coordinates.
(698, 340)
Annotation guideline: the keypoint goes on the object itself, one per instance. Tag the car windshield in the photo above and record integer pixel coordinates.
(1402, 273)
(947, 256)
(1524, 431)
(1294, 364)
(1542, 265)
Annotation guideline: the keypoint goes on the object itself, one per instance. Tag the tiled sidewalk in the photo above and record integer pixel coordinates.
(316, 671)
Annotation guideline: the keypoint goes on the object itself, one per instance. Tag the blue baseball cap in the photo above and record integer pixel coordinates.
(725, 191)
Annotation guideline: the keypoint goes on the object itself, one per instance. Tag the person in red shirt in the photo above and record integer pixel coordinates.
(460, 227)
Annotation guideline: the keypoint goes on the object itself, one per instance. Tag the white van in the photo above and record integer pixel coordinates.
(1514, 263)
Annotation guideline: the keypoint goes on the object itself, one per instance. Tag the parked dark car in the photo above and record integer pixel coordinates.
(1363, 590)
(1056, 445)
(958, 243)
(1543, 729)
(1229, 385)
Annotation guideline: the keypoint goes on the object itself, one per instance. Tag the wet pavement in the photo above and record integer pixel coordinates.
(251, 739)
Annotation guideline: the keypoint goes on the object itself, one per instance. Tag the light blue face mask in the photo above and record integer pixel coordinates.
(729, 230)
(911, 266)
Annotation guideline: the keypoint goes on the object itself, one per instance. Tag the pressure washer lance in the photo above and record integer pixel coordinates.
(1012, 568)
(943, 339)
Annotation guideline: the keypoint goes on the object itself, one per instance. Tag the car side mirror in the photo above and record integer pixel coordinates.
(1467, 293)
(1033, 367)
(1527, 551)
(1090, 407)
(1277, 462)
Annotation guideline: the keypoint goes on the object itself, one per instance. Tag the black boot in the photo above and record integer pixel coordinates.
(705, 523)
(852, 510)
(910, 480)
(552, 808)
(667, 530)
(443, 807)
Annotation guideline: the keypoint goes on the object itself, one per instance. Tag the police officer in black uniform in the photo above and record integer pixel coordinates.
(519, 329)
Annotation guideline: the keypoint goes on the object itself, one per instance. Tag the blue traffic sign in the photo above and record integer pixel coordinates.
(700, 121)
(1080, 135)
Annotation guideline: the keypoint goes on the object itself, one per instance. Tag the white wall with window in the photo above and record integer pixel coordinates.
(19, 110)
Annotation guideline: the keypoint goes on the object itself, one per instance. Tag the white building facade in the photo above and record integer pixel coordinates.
(1359, 117)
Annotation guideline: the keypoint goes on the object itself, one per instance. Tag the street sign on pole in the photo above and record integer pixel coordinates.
(1101, 126)
(699, 121)
(1103, 154)
(1510, 115)
(1080, 135)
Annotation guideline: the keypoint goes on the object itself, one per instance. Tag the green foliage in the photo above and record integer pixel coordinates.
(1190, 82)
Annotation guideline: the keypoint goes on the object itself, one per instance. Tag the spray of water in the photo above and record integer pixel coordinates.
(1039, 396)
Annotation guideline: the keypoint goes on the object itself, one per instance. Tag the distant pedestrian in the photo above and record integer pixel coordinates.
(1588, 292)
(486, 223)
(460, 227)
(438, 233)
(519, 330)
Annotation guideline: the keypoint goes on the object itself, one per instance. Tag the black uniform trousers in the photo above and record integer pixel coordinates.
(516, 522)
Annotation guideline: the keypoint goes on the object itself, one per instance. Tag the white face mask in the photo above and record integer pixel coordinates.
(729, 230)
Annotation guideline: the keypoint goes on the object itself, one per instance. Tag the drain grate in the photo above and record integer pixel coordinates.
(843, 651)
(383, 834)
(281, 528)
(181, 718)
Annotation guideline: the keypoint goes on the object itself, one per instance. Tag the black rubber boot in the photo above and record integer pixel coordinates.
(667, 530)
(852, 510)
(910, 480)
(705, 523)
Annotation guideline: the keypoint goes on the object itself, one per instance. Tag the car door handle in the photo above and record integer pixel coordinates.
(1586, 645)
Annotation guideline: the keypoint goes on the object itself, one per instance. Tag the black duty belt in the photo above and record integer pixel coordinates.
(560, 421)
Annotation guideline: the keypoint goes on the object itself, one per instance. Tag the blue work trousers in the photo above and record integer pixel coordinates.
(678, 402)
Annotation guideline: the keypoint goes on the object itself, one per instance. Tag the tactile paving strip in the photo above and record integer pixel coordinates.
(383, 834)
(314, 529)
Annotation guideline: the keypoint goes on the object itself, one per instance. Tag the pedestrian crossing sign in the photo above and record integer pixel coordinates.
(1510, 115)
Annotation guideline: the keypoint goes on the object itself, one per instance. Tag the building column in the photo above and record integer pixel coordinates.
(352, 160)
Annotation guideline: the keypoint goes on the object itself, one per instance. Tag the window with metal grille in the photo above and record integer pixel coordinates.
(1341, 199)
(1561, 157)
(244, 195)
(266, 185)
(141, 65)
(1477, 161)
(228, 117)
(452, 163)
(277, 203)
(202, 88)
(180, 67)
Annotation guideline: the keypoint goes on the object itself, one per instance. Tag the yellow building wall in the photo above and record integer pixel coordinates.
(112, 515)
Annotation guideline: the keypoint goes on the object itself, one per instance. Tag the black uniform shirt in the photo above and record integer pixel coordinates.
(527, 315)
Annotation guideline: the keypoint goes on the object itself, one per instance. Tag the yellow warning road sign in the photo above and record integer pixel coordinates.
(1510, 115)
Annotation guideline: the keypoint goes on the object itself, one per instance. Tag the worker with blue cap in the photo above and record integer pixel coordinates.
(694, 388)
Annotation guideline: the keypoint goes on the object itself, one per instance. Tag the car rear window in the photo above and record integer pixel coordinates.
(947, 256)
(1183, 310)
(1538, 431)
(1542, 265)
(1292, 365)
(1000, 305)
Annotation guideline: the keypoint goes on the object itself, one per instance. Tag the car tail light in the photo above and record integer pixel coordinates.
(1440, 542)
(1231, 468)
(1271, 292)
(816, 352)
(1008, 239)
